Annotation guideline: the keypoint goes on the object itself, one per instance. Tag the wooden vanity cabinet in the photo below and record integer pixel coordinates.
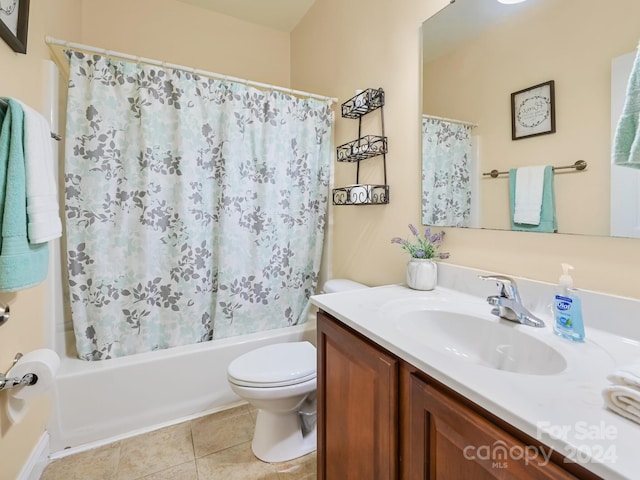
(357, 412)
(381, 418)
(449, 441)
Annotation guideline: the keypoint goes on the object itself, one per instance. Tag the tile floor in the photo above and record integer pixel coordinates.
(215, 447)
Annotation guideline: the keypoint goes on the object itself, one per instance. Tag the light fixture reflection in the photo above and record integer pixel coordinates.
(509, 2)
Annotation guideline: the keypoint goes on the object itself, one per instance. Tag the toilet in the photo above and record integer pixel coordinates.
(280, 381)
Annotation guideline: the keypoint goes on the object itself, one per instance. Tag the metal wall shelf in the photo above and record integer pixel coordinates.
(362, 148)
(363, 103)
(361, 194)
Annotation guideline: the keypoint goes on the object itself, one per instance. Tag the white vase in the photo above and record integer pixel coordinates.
(422, 274)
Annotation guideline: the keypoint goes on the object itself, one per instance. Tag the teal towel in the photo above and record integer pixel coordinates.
(626, 142)
(548, 222)
(22, 265)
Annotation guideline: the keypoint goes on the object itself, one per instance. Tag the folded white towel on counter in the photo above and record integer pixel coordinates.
(626, 375)
(43, 216)
(528, 195)
(623, 400)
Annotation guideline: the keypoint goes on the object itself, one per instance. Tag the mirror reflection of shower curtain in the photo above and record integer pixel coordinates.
(195, 208)
(447, 163)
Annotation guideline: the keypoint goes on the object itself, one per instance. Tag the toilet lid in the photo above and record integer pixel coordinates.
(274, 365)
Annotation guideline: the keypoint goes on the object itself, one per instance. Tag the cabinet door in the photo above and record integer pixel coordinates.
(357, 406)
(449, 441)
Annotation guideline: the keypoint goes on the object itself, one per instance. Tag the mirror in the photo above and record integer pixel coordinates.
(477, 53)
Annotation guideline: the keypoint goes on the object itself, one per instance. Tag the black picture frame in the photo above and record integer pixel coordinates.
(15, 36)
(533, 111)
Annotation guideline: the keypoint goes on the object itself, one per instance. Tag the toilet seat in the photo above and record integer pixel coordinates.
(276, 365)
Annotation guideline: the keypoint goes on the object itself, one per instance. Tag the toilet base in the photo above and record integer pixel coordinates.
(278, 437)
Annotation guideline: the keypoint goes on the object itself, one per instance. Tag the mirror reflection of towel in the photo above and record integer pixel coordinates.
(528, 202)
(547, 221)
(626, 142)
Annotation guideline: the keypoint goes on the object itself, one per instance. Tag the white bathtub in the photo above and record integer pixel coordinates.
(95, 402)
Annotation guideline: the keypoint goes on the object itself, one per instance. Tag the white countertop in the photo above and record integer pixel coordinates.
(564, 410)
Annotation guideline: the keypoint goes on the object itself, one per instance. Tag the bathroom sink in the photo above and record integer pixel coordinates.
(498, 344)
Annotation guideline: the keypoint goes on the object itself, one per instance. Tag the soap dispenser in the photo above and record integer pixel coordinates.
(567, 309)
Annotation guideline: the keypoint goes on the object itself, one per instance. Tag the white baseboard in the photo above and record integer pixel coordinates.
(37, 461)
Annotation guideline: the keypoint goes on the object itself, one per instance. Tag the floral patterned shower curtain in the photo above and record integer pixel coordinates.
(446, 180)
(195, 208)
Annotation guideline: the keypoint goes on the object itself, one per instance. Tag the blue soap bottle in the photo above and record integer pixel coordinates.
(567, 309)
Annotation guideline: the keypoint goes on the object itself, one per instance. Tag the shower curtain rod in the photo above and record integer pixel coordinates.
(109, 53)
(452, 120)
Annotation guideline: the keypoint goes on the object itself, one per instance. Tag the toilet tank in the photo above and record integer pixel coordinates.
(341, 285)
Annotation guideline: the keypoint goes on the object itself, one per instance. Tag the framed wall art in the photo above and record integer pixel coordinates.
(533, 111)
(14, 22)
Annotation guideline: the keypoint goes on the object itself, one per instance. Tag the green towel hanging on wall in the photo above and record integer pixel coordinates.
(22, 265)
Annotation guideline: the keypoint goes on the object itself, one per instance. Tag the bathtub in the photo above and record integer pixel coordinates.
(98, 402)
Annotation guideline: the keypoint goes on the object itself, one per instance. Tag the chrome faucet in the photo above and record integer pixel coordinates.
(508, 304)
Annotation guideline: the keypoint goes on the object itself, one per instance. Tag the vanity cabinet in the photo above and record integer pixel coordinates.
(357, 417)
(448, 440)
(381, 418)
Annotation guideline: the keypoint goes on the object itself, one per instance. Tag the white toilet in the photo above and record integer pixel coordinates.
(280, 381)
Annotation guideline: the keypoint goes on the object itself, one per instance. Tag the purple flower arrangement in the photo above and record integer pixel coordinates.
(422, 247)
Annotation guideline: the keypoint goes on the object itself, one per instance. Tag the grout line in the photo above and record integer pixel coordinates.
(193, 448)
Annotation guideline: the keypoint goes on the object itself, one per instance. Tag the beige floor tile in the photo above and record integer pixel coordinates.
(235, 463)
(223, 439)
(311, 476)
(155, 451)
(299, 468)
(97, 464)
(253, 411)
(221, 431)
(231, 412)
(186, 471)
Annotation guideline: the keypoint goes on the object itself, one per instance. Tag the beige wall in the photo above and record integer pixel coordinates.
(23, 77)
(475, 81)
(184, 34)
(341, 46)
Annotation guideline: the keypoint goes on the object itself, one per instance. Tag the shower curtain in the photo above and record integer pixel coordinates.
(446, 179)
(195, 208)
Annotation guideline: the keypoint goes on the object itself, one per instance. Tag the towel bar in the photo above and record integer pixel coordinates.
(55, 136)
(578, 165)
